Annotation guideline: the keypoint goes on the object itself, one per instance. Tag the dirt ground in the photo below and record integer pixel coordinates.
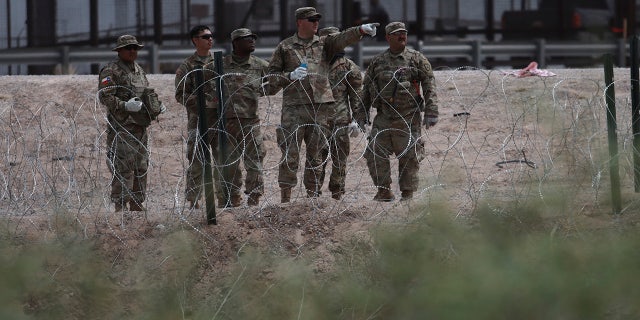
(499, 138)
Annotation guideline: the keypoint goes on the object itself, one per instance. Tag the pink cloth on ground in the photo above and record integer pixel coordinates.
(529, 71)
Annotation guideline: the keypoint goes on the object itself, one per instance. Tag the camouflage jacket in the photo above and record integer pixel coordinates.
(242, 86)
(291, 52)
(185, 82)
(117, 83)
(395, 83)
(346, 83)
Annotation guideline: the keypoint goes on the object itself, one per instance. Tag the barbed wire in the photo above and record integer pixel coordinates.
(499, 139)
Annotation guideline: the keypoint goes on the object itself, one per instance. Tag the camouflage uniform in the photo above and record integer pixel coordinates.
(306, 103)
(346, 83)
(242, 88)
(186, 94)
(392, 85)
(127, 140)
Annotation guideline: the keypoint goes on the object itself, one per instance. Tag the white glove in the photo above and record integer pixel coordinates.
(298, 73)
(369, 28)
(163, 109)
(133, 105)
(354, 129)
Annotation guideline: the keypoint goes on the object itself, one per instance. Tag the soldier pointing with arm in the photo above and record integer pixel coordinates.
(300, 66)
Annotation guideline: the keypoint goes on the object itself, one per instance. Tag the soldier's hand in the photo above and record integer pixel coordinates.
(298, 73)
(355, 129)
(369, 28)
(430, 121)
(133, 105)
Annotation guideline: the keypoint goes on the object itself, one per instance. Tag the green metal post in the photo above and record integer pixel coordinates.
(610, 95)
(203, 146)
(222, 131)
(635, 111)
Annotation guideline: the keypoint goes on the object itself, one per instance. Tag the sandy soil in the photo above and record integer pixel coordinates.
(499, 138)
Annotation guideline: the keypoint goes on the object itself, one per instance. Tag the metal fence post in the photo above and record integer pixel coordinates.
(476, 47)
(203, 146)
(541, 54)
(64, 66)
(635, 111)
(222, 130)
(154, 58)
(614, 171)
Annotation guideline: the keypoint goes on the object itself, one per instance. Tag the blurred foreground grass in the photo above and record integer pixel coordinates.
(511, 264)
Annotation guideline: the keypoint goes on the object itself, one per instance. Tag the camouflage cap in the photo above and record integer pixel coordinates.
(394, 27)
(328, 31)
(307, 12)
(242, 32)
(126, 40)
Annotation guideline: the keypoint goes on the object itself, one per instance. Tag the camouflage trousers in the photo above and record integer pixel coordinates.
(339, 146)
(196, 152)
(128, 161)
(402, 138)
(302, 123)
(244, 142)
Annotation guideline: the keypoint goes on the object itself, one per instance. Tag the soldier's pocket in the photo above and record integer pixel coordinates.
(420, 151)
(280, 137)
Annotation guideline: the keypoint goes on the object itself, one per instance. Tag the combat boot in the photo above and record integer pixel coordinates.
(384, 195)
(285, 195)
(253, 200)
(119, 206)
(312, 194)
(337, 195)
(135, 206)
(236, 200)
(406, 195)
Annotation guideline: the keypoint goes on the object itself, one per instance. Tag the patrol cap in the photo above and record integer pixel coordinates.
(328, 31)
(307, 12)
(242, 32)
(394, 27)
(126, 40)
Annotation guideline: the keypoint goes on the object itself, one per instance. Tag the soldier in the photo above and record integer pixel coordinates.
(346, 83)
(305, 98)
(131, 105)
(243, 85)
(400, 84)
(186, 94)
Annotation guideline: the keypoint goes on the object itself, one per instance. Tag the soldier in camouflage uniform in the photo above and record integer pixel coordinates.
(346, 83)
(400, 84)
(121, 85)
(300, 66)
(186, 94)
(243, 85)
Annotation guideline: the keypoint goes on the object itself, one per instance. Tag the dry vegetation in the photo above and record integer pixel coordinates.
(525, 140)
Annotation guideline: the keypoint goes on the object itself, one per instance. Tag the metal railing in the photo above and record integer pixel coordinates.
(477, 53)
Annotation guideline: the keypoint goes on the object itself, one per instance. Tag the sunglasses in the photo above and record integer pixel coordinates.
(398, 33)
(313, 20)
(205, 36)
(132, 47)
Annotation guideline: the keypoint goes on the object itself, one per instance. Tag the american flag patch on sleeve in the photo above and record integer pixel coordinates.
(106, 80)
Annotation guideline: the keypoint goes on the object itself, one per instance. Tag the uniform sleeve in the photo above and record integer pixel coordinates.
(337, 42)
(183, 87)
(354, 79)
(266, 89)
(429, 89)
(277, 77)
(107, 86)
(361, 110)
